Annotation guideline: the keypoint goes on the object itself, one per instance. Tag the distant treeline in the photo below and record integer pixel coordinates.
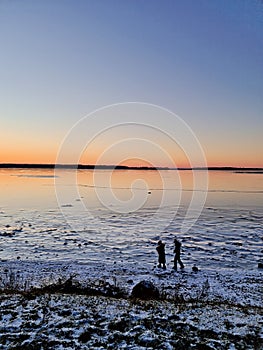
(120, 167)
(76, 166)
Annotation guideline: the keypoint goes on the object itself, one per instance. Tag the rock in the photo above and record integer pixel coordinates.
(195, 268)
(260, 265)
(85, 336)
(145, 290)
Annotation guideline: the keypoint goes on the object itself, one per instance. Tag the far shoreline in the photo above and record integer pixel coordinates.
(250, 170)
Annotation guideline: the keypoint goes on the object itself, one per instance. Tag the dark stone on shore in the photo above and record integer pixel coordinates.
(145, 290)
(260, 265)
(195, 268)
(85, 336)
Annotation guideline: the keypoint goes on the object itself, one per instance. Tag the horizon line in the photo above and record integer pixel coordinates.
(118, 167)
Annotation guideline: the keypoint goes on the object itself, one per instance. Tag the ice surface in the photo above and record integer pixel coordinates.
(221, 304)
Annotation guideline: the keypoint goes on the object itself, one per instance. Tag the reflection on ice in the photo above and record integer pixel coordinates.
(228, 232)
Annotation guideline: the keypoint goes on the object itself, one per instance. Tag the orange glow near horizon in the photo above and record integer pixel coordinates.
(24, 157)
(38, 154)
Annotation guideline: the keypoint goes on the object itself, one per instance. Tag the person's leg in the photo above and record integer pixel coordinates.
(181, 264)
(163, 262)
(180, 261)
(175, 263)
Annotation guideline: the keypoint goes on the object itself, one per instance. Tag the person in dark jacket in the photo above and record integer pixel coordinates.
(161, 254)
(177, 256)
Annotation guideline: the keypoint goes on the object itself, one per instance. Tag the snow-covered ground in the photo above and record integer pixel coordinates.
(203, 310)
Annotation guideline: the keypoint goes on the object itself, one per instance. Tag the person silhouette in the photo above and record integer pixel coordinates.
(161, 254)
(177, 256)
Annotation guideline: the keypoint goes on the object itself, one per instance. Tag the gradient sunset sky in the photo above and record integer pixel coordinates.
(201, 59)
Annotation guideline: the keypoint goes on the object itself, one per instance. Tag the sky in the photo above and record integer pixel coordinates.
(200, 59)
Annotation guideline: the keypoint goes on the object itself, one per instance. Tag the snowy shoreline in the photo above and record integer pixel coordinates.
(219, 310)
(236, 286)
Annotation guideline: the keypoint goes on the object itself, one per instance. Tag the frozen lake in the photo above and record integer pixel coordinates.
(99, 216)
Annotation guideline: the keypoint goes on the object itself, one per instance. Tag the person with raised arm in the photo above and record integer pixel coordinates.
(161, 254)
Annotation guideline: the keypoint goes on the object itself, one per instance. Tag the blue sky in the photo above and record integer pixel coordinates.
(201, 59)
